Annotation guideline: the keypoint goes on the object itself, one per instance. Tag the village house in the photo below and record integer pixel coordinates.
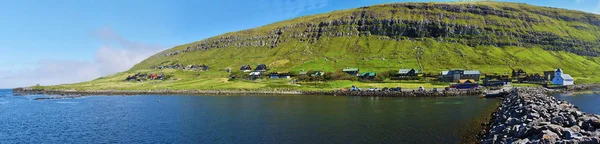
(274, 75)
(497, 77)
(532, 78)
(465, 84)
(280, 75)
(302, 73)
(562, 79)
(407, 72)
(202, 67)
(285, 75)
(197, 67)
(261, 68)
(317, 74)
(351, 71)
(466, 81)
(368, 75)
(549, 75)
(246, 68)
(255, 75)
(456, 75)
(488, 82)
(519, 72)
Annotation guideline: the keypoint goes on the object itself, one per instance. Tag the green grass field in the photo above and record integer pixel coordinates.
(216, 80)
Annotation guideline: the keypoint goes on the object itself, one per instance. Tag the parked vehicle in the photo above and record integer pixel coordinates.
(465, 86)
(435, 89)
(385, 89)
(398, 89)
(353, 88)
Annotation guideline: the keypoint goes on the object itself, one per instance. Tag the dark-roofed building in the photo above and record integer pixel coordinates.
(368, 75)
(255, 75)
(246, 68)
(519, 72)
(302, 73)
(549, 75)
(317, 74)
(456, 75)
(280, 75)
(285, 75)
(407, 72)
(274, 75)
(351, 71)
(261, 68)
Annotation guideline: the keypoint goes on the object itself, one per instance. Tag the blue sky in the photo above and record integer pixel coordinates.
(66, 41)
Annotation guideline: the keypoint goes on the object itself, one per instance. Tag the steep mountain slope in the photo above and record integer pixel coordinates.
(490, 36)
(445, 35)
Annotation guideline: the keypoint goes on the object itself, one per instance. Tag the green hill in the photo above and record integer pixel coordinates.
(492, 37)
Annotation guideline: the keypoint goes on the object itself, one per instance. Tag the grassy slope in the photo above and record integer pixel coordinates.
(369, 53)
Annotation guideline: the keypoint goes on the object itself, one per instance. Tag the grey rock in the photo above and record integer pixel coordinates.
(594, 122)
(569, 134)
(558, 120)
(587, 126)
(575, 128)
(512, 121)
(522, 141)
(533, 115)
(559, 130)
(549, 136)
(523, 131)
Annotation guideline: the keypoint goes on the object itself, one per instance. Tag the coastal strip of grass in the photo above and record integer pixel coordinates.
(217, 80)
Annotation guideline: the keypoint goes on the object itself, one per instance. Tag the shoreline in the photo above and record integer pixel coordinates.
(405, 93)
(413, 93)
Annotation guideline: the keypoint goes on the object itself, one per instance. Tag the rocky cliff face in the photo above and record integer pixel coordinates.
(495, 24)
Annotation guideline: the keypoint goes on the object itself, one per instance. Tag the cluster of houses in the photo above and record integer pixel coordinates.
(556, 77)
(194, 67)
(464, 77)
(256, 73)
(260, 70)
(145, 76)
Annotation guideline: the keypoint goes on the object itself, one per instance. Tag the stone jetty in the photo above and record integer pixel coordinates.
(414, 93)
(531, 115)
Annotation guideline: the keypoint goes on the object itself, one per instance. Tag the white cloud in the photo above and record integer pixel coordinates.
(118, 54)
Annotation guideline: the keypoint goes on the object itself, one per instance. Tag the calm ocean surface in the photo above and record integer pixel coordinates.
(588, 102)
(238, 119)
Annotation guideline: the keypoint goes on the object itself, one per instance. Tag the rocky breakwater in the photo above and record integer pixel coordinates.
(414, 93)
(531, 115)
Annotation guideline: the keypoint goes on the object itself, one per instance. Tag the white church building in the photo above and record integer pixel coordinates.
(562, 79)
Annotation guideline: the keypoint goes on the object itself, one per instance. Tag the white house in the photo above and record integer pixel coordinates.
(562, 79)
